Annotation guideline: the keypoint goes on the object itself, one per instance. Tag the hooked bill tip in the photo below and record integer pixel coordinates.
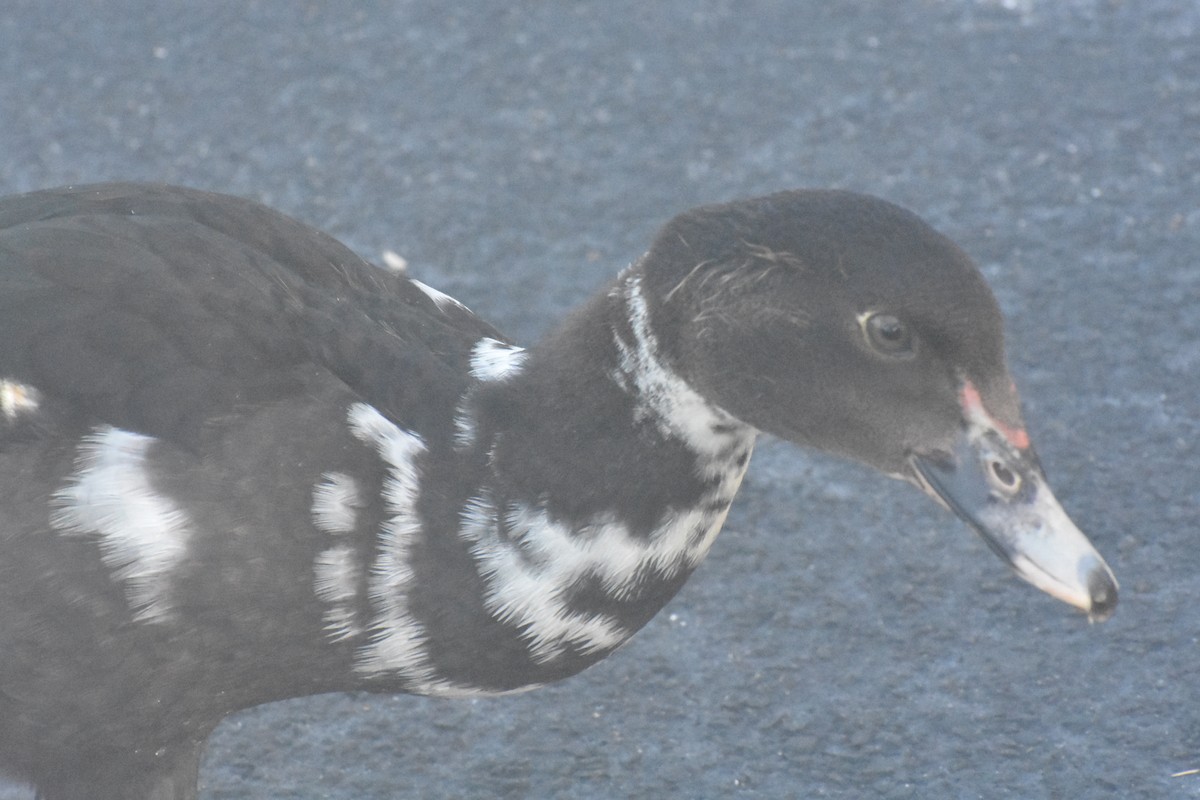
(1102, 589)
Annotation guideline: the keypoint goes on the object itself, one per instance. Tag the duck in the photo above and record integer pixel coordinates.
(239, 463)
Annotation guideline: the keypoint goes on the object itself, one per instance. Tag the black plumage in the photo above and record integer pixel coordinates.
(238, 463)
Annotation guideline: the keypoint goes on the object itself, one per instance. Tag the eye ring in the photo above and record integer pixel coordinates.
(888, 335)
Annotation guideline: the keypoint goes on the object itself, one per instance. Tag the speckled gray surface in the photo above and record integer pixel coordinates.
(845, 638)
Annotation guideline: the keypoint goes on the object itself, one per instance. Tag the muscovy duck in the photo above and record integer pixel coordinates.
(239, 464)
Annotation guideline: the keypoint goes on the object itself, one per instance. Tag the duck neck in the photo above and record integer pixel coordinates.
(596, 424)
(608, 479)
(592, 481)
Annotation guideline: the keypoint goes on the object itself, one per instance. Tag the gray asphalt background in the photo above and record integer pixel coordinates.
(845, 638)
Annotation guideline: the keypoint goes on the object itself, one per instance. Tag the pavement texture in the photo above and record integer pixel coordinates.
(846, 638)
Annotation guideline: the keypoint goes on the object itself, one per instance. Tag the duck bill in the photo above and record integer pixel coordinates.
(999, 489)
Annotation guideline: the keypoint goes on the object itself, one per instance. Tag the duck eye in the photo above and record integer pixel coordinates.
(888, 335)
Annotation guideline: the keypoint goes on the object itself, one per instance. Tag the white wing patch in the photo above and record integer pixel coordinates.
(336, 570)
(143, 536)
(442, 300)
(493, 360)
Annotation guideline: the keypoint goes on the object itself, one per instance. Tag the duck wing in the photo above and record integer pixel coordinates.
(156, 309)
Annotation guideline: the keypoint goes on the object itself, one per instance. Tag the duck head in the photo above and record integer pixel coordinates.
(843, 322)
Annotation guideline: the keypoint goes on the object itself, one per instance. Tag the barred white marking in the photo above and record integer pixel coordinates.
(397, 643)
(532, 596)
(336, 501)
(143, 535)
(440, 299)
(335, 579)
(678, 410)
(531, 568)
(464, 426)
(336, 571)
(17, 399)
(492, 360)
